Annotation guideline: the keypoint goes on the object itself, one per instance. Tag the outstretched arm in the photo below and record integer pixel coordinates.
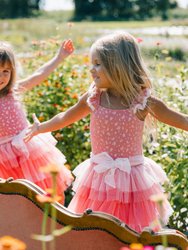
(61, 120)
(166, 115)
(44, 71)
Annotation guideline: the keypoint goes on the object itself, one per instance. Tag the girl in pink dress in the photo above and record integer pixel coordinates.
(17, 158)
(117, 179)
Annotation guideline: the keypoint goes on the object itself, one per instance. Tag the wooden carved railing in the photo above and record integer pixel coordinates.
(21, 216)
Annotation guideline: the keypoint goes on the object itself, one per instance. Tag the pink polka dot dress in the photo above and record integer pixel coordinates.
(118, 179)
(24, 160)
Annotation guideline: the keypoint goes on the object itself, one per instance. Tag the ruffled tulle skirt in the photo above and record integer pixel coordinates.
(22, 160)
(121, 187)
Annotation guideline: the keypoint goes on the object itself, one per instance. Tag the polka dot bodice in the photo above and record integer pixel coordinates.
(12, 116)
(117, 132)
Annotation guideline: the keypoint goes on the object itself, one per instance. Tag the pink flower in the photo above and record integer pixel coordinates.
(148, 248)
(139, 40)
(158, 43)
(70, 25)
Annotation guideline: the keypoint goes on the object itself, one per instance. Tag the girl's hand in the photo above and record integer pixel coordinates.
(33, 129)
(44, 71)
(65, 50)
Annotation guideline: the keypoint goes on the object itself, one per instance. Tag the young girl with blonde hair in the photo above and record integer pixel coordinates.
(117, 179)
(17, 158)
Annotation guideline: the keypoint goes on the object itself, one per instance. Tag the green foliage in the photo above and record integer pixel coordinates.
(71, 79)
(178, 54)
(121, 10)
(178, 13)
(170, 148)
(18, 8)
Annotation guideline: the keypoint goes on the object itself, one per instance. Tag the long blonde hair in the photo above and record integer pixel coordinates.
(7, 58)
(120, 56)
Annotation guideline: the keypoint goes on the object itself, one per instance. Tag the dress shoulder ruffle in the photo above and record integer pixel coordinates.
(141, 101)
(93, 97)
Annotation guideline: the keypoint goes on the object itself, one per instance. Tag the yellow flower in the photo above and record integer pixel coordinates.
(67, 166)
(48, 198)
(165, 52)
(168, 59)
(46, 83)
(86, 59)
(58, 136)
(10, 243)
(74, 74)
(74, 96)
(136, 246)
(41, 118)
(50, 168)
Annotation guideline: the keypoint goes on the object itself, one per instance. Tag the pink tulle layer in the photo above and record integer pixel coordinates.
(129, 200)
(25, 160)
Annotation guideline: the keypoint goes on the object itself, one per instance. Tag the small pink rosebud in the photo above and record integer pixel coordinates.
(148, 248)
(139, 40)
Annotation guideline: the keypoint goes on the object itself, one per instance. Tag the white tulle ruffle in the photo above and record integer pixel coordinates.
(119, 179)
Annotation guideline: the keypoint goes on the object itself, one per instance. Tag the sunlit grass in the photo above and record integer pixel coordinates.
(20, 32)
